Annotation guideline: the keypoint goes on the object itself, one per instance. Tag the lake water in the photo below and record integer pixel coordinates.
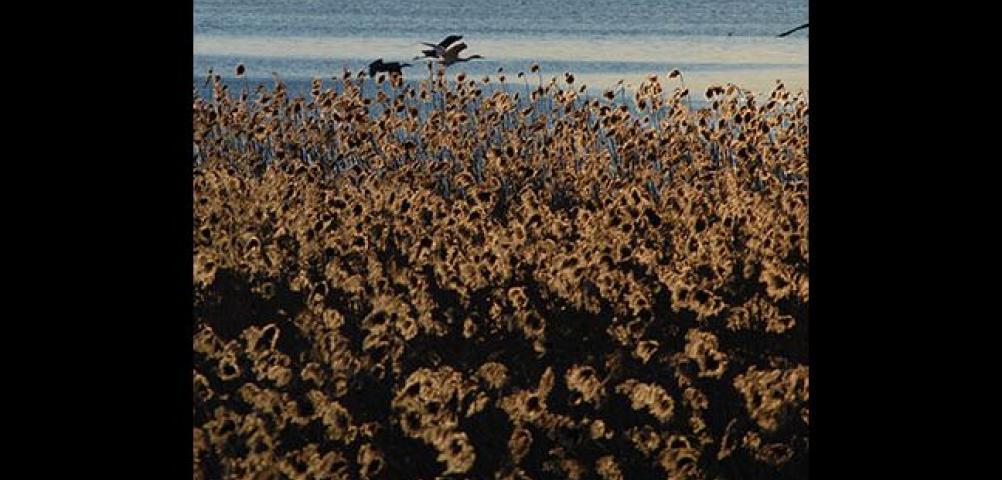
(710, 41)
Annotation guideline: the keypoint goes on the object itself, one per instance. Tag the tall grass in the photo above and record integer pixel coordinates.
(410, 279)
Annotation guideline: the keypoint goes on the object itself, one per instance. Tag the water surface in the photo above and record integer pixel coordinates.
(711, 41)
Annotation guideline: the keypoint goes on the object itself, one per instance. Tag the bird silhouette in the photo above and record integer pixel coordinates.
(794, 30)
(451, 55)
(391, 67)
(438, 49)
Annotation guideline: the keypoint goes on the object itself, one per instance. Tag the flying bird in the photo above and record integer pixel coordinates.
(380, 66)
(437, 50)
(451, 55)
(791, 31)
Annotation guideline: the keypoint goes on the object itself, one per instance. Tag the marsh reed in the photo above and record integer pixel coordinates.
(406, 280)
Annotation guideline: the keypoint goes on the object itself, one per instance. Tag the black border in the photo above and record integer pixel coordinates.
(127, 308)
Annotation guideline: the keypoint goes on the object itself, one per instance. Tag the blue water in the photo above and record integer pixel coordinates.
(711, 41)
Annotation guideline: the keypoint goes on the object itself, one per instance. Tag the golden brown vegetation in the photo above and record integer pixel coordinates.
(411, 280)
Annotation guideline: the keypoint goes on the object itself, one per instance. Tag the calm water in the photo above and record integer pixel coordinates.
(711, 41)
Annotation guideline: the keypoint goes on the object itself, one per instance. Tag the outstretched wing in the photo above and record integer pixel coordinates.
(375, 67)
(454, 50)
(794, 30)
(450, 40)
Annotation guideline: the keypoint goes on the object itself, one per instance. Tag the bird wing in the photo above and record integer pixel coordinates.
(449, 41)
(454, 50)
(794, 30)
(375, 67)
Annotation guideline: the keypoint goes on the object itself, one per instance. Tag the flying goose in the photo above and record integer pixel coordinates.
(451, 55)
(380, 66)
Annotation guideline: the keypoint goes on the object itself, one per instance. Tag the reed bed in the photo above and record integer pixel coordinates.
(499, 278)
